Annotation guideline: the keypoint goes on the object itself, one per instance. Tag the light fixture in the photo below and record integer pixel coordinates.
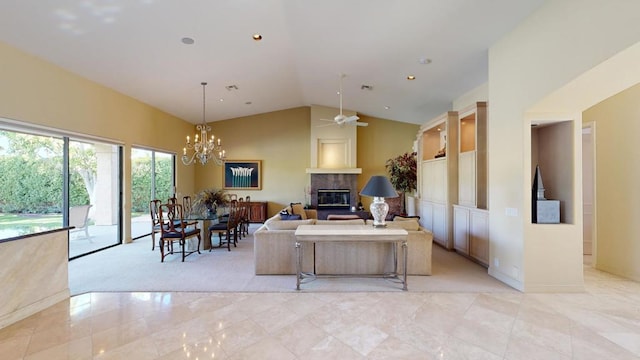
(204, 148)
(379, 187)
(411, 77)
(257, 37)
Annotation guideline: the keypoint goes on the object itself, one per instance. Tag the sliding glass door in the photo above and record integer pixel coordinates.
(51, 181)
(94, 196)
(152, 177)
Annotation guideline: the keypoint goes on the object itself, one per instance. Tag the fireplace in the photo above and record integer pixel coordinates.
(334, 198)
(339, 184)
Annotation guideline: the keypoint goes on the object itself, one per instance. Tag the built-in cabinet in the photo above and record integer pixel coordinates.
(438, 179)
(472, 158)
(470, 215)
(471, 233)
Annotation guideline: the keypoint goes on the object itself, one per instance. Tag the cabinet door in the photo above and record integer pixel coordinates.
(434, 180)
(426, 215)
(440, 233)
(258, 212)
(479, 236)
(461, 230)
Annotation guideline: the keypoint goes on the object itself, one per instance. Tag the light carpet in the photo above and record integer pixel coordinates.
(134, 267)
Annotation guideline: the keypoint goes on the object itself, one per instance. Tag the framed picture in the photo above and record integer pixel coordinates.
(243, 174)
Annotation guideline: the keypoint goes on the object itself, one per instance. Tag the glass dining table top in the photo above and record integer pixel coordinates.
(201, 216)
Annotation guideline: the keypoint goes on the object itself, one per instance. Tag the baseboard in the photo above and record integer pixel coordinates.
(506, 279)
(33, 308)
(541, 288)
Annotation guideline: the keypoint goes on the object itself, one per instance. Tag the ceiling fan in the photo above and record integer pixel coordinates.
(342, 119)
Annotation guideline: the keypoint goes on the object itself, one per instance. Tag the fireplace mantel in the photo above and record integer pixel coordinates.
(334, 171)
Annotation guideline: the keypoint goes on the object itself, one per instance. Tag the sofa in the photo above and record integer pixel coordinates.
(275, 253)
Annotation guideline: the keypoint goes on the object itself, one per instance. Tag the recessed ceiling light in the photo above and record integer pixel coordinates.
(187, 40)
(221, 99)
(387, 107)
(424, 61)
(257, 37)
(411, 77)
(366, 87)
(248, 103)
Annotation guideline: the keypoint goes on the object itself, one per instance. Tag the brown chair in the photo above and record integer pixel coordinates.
(246, 217)
(227, 229)
(154, 207)
(171, 216)
(241, 214)
(188, 209)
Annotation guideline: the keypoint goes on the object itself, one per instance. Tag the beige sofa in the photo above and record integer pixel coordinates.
(274, 250)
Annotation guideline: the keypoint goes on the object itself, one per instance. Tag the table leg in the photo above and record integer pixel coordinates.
(298, 264)
(404, 254)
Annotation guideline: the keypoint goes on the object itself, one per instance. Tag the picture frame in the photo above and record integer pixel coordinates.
(242, 175)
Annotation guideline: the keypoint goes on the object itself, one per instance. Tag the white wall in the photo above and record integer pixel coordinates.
(558, 44)
(480, 93)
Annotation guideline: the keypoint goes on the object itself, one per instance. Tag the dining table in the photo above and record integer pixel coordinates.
(204, 219)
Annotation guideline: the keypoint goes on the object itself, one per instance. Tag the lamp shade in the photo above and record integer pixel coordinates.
(379, 186)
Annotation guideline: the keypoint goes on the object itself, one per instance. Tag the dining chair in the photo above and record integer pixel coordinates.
(154, 207)
(226, 230)
(188, 209)
(241, 210)
(246, 217)
(171, 216)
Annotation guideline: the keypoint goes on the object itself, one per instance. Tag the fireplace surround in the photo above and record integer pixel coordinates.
(337, 182)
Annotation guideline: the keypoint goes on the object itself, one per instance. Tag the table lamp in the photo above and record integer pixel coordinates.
(379, 187)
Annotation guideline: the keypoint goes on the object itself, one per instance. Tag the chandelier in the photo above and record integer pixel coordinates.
(204, 148)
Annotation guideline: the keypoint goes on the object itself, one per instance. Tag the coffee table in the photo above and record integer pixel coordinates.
(350, 233)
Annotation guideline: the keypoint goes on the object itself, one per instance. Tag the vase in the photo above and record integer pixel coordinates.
(211, 208)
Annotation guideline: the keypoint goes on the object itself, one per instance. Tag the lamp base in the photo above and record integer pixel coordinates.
(379, 210)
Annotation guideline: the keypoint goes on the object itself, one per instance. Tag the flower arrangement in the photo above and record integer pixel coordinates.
(211, 198)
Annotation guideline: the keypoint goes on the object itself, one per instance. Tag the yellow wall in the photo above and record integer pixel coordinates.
(617, 178)
(378, 142)
(37, 92)
(525, 68)
(281, 140)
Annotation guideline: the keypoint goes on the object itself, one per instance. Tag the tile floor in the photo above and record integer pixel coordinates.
(601, 323)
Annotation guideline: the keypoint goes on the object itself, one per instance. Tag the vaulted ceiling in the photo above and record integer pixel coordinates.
(136, 47)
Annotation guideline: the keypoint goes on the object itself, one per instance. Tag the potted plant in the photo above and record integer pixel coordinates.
(403, 174)
(210, 199)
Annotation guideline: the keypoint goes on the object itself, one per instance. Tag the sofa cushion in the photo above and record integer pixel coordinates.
(408, 224)
(287, 225)
(340, 222)
(298, 209)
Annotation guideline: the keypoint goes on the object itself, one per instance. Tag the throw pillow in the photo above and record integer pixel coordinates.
(298, 209)
(409, 224)
(405, 218)
(290, 217)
